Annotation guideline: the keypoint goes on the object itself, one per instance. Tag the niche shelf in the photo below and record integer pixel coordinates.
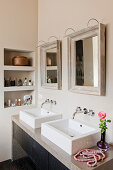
(16, 75)
(20, 107)
(10, 53)
(18, 95)
(19, 88)
(19, 68)
(19, 72)
(51, 67)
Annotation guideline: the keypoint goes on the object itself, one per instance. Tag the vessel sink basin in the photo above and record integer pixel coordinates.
(70, 135)
(34, 117)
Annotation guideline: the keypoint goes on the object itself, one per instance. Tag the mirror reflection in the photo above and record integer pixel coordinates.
(86, 62)
(51, 65)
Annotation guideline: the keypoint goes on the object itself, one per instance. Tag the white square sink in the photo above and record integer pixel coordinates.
(70, 135)
(34, 117)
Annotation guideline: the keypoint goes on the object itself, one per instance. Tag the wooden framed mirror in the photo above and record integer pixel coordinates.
(86, 51)
(51, 65)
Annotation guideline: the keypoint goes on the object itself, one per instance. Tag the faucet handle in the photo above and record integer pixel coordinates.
(91, 112)
(78, 109)
(53, 102)
(47, 100)
(85, 111)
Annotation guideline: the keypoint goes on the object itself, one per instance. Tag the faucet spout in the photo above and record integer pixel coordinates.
(78, 109)
(74, 114)
(46, 101)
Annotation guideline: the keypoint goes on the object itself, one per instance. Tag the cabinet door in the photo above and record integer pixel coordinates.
(40, 156)
(27, 143)
(55, 164)
(23, 139)
(17, 133)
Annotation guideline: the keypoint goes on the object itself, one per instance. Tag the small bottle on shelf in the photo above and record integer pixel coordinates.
(9, 103)
(12, 82)
(7, 83)
(30, 83)
(48, 80)
(19, 102)
(49, 63)
(19, 82)
(16, 101)
(25, 82)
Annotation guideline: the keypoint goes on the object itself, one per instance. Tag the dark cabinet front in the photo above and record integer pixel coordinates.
(55, 164)
(17, 134)
(27, 142)
(39, 155)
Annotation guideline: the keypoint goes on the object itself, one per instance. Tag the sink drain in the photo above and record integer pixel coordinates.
(71, 136)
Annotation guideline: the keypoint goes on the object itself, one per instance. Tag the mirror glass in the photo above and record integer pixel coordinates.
(51, 65)
(86, 62)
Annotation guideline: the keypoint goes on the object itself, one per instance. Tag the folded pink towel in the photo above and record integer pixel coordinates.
(90, 156)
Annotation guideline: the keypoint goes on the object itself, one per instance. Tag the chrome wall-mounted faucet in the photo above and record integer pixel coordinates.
(84, 111)
(48, 101)
(78, 110)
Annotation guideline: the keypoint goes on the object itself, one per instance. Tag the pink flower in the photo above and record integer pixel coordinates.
(102, 115)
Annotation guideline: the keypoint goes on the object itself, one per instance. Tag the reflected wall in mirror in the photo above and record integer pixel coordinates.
(50, 54)
(87, 60)
(51, 57)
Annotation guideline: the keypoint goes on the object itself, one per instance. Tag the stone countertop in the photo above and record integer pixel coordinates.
(61, 155)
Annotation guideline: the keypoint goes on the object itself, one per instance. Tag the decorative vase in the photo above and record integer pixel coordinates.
(102, 145)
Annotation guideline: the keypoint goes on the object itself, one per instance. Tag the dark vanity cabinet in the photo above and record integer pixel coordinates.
(39, 156)
(42, 159)
(55, 164)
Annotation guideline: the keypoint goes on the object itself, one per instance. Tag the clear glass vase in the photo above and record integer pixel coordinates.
(102, 145)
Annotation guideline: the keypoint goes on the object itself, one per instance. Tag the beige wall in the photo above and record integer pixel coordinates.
(18, 29)
(54, 17)
(18, 23)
